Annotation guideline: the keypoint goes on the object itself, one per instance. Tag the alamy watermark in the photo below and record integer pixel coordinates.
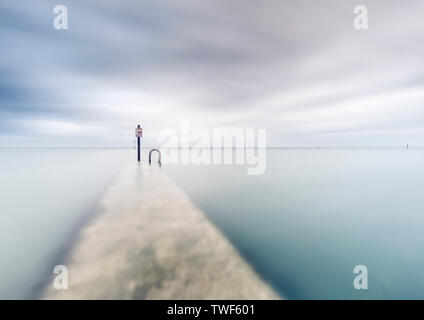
(60, 20)
(361, 280)
(60, 282)
(360, 20)
(217, 146)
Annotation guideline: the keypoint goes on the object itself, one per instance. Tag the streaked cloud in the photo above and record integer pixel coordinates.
(296, 68)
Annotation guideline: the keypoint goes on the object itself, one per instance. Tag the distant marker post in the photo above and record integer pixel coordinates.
(138, 134)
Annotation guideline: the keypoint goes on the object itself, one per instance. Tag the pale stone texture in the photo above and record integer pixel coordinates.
(151, 242)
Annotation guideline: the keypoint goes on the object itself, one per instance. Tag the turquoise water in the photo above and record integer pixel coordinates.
(45, 196)
(317, 213)
(304, 225)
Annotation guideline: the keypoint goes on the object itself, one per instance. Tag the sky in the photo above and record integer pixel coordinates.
(298, 69)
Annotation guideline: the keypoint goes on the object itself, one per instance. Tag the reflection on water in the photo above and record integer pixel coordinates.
(316, 214)
(45, 193)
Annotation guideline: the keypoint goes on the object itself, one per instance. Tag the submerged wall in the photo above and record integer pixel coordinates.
(151, 242)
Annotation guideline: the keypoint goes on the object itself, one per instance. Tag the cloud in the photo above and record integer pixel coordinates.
(297, 68)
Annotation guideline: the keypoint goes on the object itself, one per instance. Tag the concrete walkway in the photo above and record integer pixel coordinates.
(151, 242)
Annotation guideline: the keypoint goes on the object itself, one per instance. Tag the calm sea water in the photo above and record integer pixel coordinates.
(45, 194)
(303, 225)
(316, 214)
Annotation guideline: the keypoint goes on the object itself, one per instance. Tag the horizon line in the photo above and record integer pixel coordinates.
(179, 148)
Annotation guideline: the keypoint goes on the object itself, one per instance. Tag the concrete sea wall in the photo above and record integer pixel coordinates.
(151, 242)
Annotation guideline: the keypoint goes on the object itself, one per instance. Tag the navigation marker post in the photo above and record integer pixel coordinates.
(138, 134)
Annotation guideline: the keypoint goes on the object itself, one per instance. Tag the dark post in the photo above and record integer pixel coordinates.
(138, 147)
(138, 134)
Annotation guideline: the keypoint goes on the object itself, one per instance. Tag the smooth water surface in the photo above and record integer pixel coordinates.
(317, 213)
(303, 225)
(46, 194)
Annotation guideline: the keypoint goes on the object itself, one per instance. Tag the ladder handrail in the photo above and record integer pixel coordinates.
(159, 157)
